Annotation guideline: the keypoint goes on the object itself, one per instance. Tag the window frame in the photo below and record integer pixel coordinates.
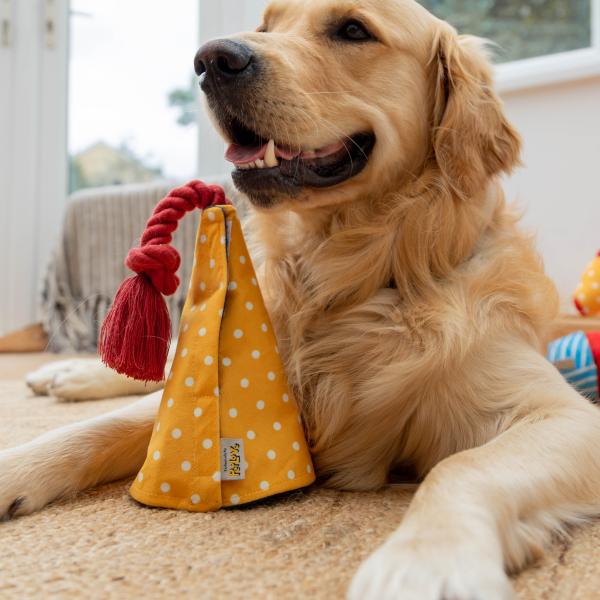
(33, 152)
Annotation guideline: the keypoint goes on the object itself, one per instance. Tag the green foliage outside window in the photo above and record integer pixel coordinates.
(521, 28)
(186, 100)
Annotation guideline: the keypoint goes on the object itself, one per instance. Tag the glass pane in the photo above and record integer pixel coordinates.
(522, 28)
(132, 97)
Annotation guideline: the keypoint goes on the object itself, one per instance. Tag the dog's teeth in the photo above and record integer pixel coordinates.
(237, 166)
(252, 165)
(259, 163)
(270, 158)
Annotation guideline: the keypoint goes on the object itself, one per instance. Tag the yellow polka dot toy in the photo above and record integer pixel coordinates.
(228, 430)
(587, 294)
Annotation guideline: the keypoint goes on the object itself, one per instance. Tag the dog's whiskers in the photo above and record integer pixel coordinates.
(344, 92)
(339, 138)
(317, 134)
(333, 132)
(341, 132)
(70, 314)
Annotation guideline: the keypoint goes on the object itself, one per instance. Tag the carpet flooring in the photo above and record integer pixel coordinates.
(307, 544)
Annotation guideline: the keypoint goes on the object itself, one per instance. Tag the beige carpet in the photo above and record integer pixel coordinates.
(101, 544)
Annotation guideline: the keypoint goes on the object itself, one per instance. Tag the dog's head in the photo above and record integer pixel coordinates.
(330, 100)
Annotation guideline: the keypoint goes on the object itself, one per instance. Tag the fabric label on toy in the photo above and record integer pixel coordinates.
(232, 459)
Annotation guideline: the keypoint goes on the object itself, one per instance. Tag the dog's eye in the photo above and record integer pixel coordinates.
(354, 32)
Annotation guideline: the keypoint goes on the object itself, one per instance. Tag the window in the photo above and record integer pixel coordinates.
(133, 97)
(521, 28)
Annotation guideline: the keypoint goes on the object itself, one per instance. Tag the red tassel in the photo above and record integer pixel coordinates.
(136, 334)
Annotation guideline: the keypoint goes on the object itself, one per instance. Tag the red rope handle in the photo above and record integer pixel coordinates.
(156, 257)
(136, 333)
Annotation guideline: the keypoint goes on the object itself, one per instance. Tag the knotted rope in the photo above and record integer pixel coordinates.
(156, 257)
(136, 334)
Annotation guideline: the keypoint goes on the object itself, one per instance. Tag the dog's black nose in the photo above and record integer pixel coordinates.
(223, 61)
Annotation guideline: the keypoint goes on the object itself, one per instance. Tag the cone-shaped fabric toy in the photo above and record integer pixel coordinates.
(227, 431)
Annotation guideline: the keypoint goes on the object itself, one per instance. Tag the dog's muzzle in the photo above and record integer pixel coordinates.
(225, 64)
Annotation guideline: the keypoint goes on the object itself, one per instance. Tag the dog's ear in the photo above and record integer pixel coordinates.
(471, 136)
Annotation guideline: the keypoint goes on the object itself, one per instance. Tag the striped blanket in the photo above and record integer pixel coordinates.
(101, 225)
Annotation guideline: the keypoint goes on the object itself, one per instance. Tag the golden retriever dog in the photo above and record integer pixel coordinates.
(411, 311)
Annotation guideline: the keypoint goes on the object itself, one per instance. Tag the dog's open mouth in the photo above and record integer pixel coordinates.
(258, 160)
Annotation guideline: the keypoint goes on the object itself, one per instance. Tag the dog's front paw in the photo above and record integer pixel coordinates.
(21, 492)
(41, 380)
(411, 570)
(90, 379)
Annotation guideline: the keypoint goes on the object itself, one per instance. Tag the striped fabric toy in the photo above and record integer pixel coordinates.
(577, 357)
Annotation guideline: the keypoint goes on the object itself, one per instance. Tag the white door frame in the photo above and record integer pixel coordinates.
(217, 19)
(33, 152)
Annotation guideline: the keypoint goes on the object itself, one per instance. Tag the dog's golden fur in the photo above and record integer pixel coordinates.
(381, 300)
(411, 311)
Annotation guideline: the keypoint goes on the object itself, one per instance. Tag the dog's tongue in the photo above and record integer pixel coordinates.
(245, 154)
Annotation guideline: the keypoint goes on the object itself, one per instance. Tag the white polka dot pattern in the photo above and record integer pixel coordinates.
(227, 381)
(586, 295)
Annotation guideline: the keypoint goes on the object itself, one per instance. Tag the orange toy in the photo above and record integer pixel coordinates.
(228, 430)
(587, 295)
